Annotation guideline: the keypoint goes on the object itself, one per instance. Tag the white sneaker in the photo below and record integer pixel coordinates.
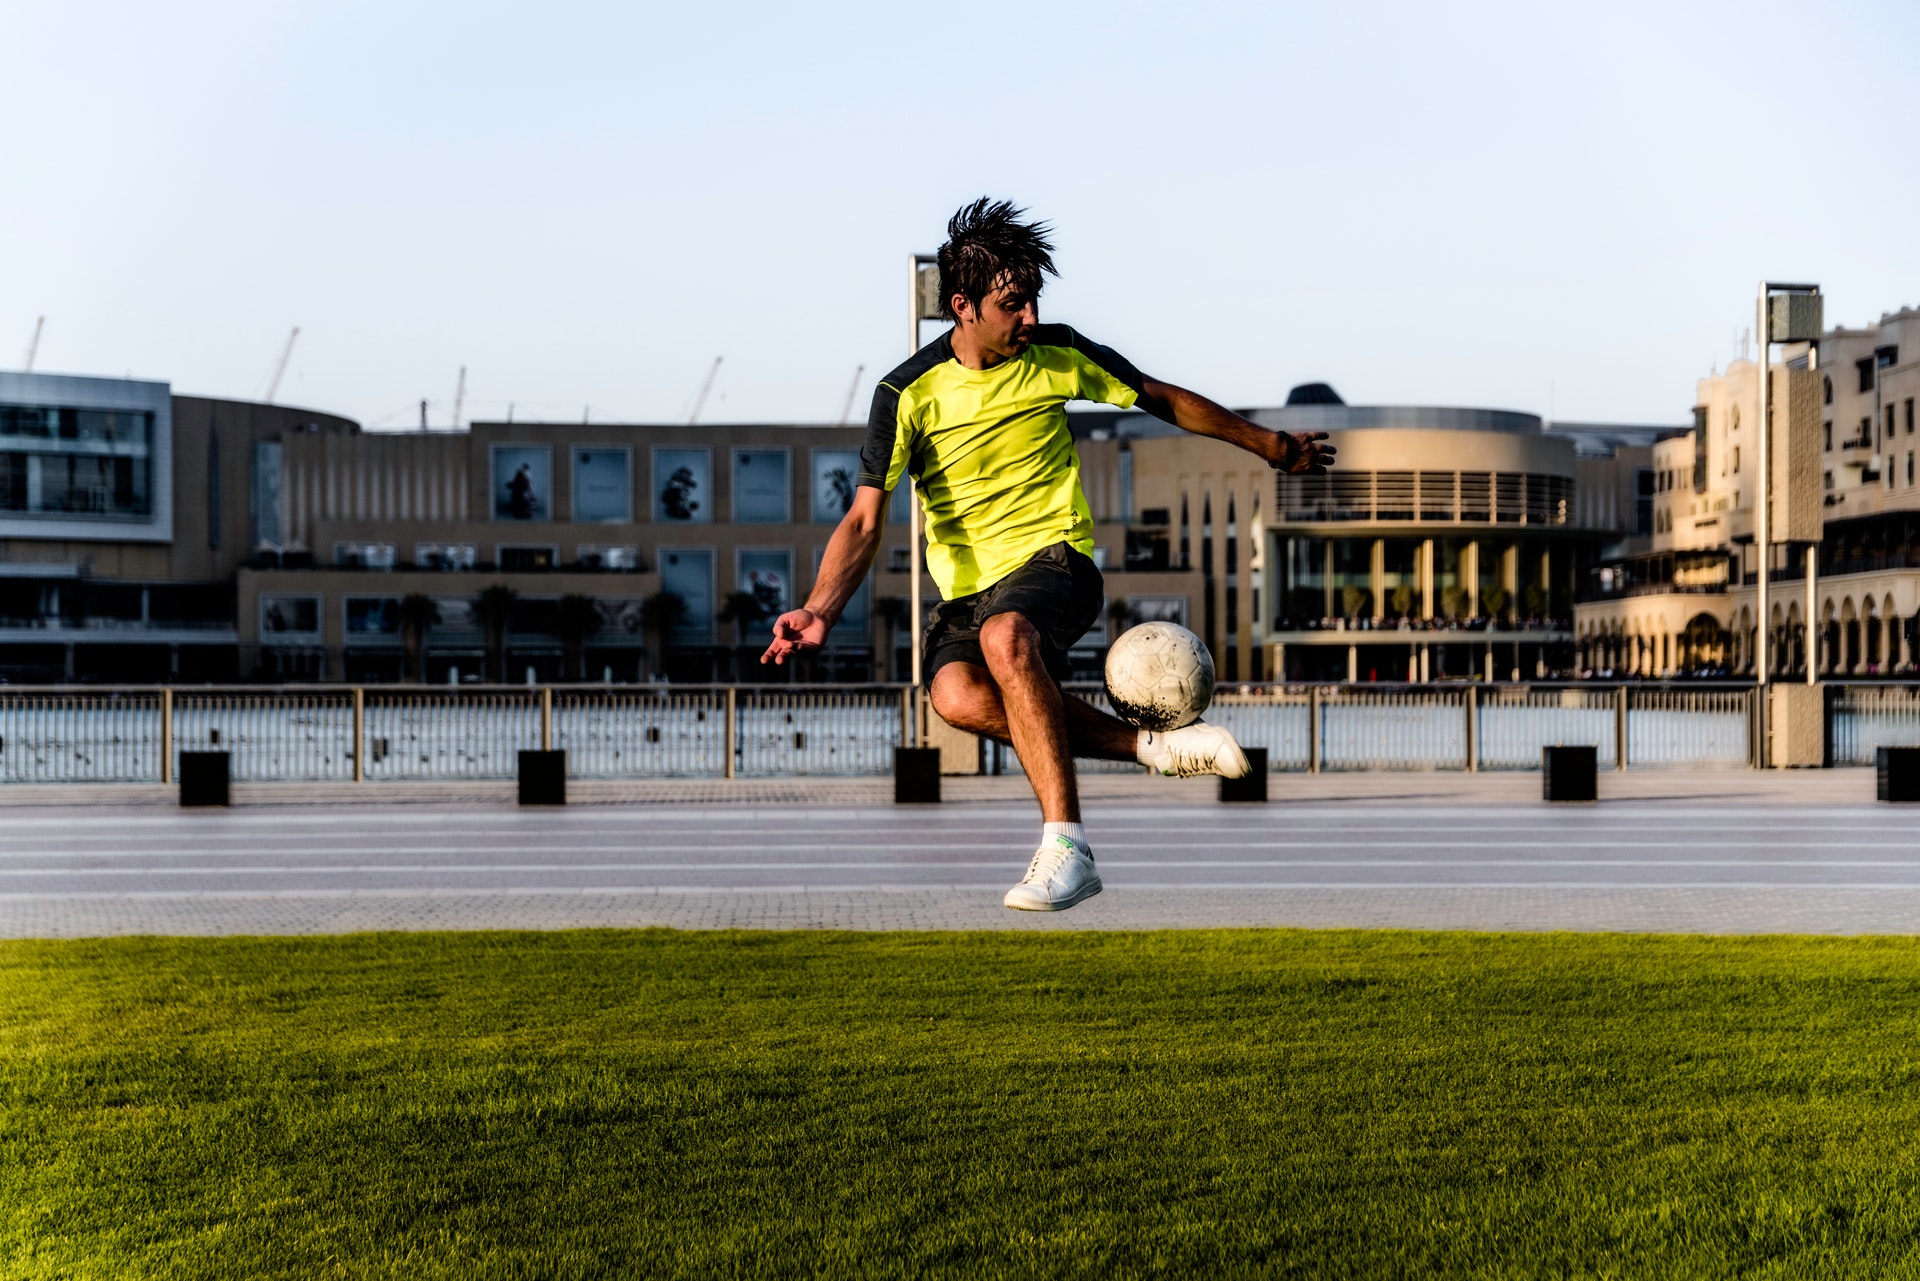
(1197, 749)
(1060, 875)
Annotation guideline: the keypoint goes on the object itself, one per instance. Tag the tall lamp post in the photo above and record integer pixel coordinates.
(1784, 313)
(923, 303)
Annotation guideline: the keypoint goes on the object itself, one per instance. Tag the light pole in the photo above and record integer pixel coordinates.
(923, 303)
(1783, 313)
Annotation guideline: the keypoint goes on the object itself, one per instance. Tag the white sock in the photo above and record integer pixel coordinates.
(1147, 748)
(1075, 832)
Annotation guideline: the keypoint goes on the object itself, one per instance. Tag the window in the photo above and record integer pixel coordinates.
(372, 617)
(763, 486)
(522, 482)
(836, 473)
(1909, 415)
(445, 556)
(683, 486)
(66, 461)
(263, 495)
(1909, 469)
(1826, 390)
(1736, 460)
(605, 556)
(1865, 369)
(1889, 423)
(521, 560)
(1643, 501)
(364, 555)
(282, 616)
(766, 574)
(899, 560)
(602, 484)
(1826, 434)
(689, 575)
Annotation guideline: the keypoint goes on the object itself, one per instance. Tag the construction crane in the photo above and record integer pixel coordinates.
(280, 370)
(33, 348)
(700, 401)
(853, 389)
(459, 397)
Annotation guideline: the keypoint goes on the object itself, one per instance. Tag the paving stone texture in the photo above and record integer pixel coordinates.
(1733, 851)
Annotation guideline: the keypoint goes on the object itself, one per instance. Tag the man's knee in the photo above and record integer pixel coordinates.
(1008, 639)
(960, 693)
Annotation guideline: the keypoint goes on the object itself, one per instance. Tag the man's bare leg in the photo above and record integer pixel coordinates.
(1035, 715)
(969, 697)
(966, 697)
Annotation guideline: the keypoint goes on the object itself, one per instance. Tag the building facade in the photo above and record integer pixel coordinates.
(125, 515)
(147, 537)
(1686, 605)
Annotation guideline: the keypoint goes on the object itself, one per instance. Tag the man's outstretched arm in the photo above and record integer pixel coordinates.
(844, 565)
(1304, 451)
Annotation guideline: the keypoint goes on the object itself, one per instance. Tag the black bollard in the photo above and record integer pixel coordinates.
(1252, 788)
(204, 779)
(1897, 774)
(916, 776)
(543, 778)
(1568, 773)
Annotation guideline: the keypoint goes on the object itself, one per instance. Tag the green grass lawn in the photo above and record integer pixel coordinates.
(1233, 1103)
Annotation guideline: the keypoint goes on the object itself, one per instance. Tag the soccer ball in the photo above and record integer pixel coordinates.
(1159, 676)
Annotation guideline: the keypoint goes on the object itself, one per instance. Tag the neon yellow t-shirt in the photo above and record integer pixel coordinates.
(990, 451)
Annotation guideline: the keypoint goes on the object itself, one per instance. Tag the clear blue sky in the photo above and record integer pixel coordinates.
(1542, 207)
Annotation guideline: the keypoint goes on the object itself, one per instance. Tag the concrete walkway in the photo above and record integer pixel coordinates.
(1726, 852)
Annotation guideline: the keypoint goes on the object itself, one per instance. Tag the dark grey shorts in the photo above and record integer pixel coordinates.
(1058, 590)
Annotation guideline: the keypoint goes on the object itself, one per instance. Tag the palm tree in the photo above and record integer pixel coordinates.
(418, 612)
(743, 610)
(1494, 601)
(494, 605)
(659, 615)
(578, 618)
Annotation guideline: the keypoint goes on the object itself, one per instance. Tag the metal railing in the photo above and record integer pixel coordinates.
(305, 733)
(1475, 727)
(1861, 718)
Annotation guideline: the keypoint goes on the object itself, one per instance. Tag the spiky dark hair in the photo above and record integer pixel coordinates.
(988, 246)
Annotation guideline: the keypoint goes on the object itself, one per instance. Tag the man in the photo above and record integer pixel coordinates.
(978, 419)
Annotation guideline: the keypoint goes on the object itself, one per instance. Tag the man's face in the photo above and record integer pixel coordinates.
(1003, 322)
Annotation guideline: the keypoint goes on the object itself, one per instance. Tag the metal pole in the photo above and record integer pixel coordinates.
(166, 737)
(1313, 729)
(1813, 564)
(1620, 728)
(546, 718)
(733, 730)
(359, 736)
(1473, 735)
(913, 506)
(1813, 637)
(1762, 629)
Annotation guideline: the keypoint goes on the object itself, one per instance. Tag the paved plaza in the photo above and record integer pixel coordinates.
(1720, 851)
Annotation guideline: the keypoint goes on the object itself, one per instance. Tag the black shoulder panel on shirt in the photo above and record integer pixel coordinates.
(1106, 357)
(883, 422)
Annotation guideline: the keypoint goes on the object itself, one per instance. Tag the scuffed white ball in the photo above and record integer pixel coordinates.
(1159, 676)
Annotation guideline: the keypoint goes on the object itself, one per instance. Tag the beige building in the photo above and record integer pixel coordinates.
(1446, 545)
(1686, 604)
(615, 516)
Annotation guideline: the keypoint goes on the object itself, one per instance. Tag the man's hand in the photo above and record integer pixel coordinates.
(1299, 453)
(795, 632)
